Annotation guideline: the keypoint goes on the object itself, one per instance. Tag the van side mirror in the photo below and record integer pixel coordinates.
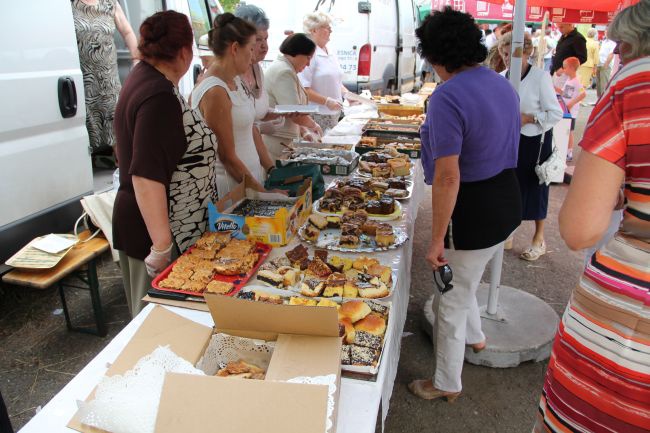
(365, 7)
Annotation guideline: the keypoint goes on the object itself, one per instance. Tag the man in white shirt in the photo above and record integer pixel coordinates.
(546, 45)
(604, 67)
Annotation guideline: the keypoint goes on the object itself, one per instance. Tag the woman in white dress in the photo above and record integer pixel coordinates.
(228, 107)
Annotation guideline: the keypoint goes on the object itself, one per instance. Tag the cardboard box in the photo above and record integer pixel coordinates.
(307, 344)
(276, 231)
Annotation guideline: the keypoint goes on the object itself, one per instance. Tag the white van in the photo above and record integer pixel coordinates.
(374, 40)
(45, 166)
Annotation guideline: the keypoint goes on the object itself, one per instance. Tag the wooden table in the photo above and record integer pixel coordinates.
(79, 262)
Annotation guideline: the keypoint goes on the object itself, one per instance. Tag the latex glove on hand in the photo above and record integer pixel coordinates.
(333, 104)
(157, 260)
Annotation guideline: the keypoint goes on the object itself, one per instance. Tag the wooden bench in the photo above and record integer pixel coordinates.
(81, 263)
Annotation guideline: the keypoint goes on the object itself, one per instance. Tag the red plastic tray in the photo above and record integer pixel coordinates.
(238, 281)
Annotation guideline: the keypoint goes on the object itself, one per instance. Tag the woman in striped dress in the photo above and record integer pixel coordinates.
(95, 22)
(598, 377)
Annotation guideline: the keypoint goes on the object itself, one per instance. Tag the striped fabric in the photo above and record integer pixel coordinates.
(598, 377)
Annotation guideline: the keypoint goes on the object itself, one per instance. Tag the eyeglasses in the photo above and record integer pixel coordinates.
(442, 277)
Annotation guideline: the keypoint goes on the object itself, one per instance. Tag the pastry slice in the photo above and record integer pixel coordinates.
(345, 355)
(366, 339)
(333, 222)
(268, 298)
(396, 193)
(311, 288)
(362, 263)
(363, 356)
(289, 276)
(318, 221)
(194, 286)
(318, 268)
(173, 283)
(385, 237)
(327, 303)
(383, 272)
(219, 287)
(372, 291)
(377, 307)
(297, 254)
(183, 274)
(311, 233)
(334, 285)
(350, 290)
(271, 278)
(349, 241)
(302, 301)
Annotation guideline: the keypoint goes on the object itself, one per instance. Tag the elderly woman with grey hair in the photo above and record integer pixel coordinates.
(540, 111)
(598, 377)
(265, 121)
(323, 78)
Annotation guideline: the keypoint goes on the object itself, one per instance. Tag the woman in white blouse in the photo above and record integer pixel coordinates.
(540, 111)
(323, 78)
(265, 121)
(228, 107)
(284, 88)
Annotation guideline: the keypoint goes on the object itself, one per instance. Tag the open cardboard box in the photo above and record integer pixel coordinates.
(276, 230)
(306, 344)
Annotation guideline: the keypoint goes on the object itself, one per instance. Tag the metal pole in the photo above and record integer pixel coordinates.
(517, 45)
(495, 280)
(516, 52)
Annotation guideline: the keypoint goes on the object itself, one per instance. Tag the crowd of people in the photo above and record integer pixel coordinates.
(598, 377)
(177, 155)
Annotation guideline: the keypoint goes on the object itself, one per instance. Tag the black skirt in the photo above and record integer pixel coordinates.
(486, 212)
(534, 197)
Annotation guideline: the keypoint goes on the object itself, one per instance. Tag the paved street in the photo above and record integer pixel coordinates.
(38, 356)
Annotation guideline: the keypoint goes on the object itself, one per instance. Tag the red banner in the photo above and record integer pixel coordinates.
(483, 10)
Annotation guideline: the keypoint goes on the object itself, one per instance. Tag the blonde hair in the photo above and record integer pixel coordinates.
(315, 20)
(506, 41)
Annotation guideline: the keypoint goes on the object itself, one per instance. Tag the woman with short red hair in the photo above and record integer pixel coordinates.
(166, 155)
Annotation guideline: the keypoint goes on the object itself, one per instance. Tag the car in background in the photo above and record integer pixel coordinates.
(374, 40)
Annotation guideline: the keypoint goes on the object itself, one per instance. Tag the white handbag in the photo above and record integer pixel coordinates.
(552, 167)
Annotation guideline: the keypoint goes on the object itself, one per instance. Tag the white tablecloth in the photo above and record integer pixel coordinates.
(360, 400)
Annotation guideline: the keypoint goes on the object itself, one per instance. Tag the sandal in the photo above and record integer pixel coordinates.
(534, 252)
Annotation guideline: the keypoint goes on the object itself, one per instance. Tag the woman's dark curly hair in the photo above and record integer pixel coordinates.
(451, 39)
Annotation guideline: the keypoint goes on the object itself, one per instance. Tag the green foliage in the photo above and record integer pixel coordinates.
(229, 5)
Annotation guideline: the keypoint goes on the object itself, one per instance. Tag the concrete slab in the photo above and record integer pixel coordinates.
(522, 331)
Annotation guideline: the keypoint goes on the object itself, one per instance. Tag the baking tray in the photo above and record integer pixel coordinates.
(238, 281)
(329, 239)
(397, 214)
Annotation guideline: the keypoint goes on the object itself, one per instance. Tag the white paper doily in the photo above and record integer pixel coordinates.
(129, 403)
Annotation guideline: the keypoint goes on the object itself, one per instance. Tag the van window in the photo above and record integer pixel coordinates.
(200, 18)
(136, 11)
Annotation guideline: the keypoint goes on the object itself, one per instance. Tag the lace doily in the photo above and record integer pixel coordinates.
(330, 381)
(129, 403)
(224, 348)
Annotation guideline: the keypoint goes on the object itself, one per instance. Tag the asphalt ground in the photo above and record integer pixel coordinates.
(38, 356)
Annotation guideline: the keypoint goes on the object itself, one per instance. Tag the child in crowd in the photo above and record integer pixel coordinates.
(573, 93)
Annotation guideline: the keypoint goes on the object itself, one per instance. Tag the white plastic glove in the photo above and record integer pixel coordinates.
(333, 104)
(269, 127)
(157, 261)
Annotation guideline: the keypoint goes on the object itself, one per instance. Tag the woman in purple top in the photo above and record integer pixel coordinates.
(469, 155)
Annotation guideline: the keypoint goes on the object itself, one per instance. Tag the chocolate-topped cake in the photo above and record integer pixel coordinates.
(387, 205)
(297, 254)
(350, 229)
(396, 183)
(374, 207)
